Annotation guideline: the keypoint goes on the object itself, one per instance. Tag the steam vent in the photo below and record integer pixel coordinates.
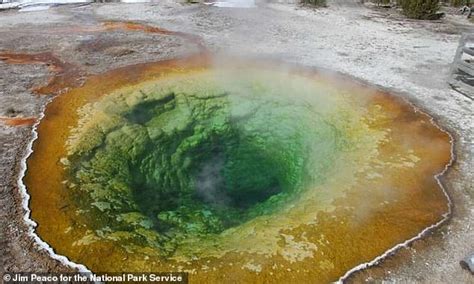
(250, 170)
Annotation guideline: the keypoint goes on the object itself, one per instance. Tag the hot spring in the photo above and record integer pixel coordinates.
(239, 170)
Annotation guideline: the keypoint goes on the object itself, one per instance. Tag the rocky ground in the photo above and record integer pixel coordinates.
(380, 47)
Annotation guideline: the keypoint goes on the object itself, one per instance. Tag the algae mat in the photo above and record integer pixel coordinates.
(248, 172)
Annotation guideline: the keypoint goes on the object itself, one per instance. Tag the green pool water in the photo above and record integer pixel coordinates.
(243, 171)
(189, 158)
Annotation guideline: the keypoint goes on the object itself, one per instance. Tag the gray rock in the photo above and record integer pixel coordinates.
(468, 262)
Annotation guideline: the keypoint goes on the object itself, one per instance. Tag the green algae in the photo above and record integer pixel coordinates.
(194, 157)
